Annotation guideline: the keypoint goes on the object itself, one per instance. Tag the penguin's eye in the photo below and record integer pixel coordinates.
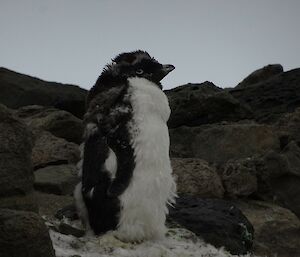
(139, 71)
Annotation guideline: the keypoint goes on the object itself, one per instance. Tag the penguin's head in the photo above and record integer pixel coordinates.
(139, 64)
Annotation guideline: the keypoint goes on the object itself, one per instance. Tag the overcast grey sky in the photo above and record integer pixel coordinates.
(221, 41)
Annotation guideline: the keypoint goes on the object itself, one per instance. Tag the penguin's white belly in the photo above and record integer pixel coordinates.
(143, 204)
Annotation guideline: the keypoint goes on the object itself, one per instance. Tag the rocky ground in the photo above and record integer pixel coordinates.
(235, 153)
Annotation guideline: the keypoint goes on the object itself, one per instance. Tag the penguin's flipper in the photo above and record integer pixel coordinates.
(95, 154)
(126, 165)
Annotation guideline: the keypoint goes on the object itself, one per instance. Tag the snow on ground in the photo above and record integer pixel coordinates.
(179, 242)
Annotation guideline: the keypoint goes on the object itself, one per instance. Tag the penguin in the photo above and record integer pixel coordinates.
(126, 177)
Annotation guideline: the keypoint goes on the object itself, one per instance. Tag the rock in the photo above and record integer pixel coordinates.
(277, 230)
(197, 104)
(292, 154)
(16, 183)
(272, 98)
(19, 90)
(51, 150)
(23, 234)
(49, 204)
(266, 168)
(67, 229)
(269, 177)
(26, 202)
(59, 123)
(239, 177)
(286, 191)
(276, 165)
(251, 176)
(289, 126)
(57, 179)
(219, 143)
(68, 211)
(281, 178)
(195, 177)
(218, 222)
(261, 75)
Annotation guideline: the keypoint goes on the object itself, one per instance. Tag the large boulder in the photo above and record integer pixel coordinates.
(16, 183)
(17, 90)
(58, 122)
(277, 230)
(218, 222)
(23, 234)
(219, 143)
(196, 104)
(196, 177)
(272, 98)
(260, 75)
(51, 150)
(56, 179)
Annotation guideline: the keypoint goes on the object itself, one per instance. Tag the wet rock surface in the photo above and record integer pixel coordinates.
(218, 222)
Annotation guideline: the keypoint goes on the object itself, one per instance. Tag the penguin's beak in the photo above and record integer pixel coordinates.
(164, 71)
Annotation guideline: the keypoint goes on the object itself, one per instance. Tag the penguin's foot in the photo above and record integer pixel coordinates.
(127, 240)
(110, 239)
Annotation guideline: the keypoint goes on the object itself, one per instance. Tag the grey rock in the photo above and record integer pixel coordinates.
(195, 177)
(289, 126)
(277, 230)
(19, 90)
(23, 234)
(56, 179)
(261, 75)
(58, 122)
(197, 104)
(286, 191)
(239, 178)
(292, 154)
(21, 202)
(284, 179)
(50, 150)
(219, 143)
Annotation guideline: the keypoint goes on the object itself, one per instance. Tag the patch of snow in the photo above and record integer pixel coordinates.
(179, 242)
